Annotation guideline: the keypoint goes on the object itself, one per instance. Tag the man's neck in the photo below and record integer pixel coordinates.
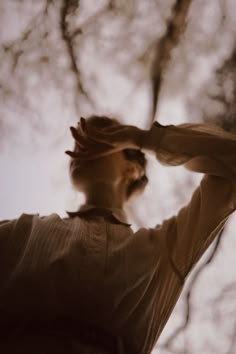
(103, 195)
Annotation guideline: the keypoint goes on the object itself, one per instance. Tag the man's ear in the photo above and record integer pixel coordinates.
(132, 170)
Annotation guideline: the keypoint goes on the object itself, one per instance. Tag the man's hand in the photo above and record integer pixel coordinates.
(93, 142)
(118, 136)
(87, 148)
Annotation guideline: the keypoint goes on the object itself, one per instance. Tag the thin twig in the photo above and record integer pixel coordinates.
(175, 28)
(68, 39)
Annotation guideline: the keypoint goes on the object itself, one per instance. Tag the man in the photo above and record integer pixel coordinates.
(88, 283)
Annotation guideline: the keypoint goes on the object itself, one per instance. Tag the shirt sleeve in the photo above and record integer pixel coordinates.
(192, 230)
(199, 147)
(207, 150)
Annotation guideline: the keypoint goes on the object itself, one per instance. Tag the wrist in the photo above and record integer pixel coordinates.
(151, 138)
(138, 137)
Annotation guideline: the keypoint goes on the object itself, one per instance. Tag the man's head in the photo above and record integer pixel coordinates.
(125, 169)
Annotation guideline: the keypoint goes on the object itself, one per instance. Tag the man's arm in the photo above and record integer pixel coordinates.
(192, 230)
(203, 149)
(199, 147)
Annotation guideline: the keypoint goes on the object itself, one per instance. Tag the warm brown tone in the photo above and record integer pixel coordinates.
(94, 268)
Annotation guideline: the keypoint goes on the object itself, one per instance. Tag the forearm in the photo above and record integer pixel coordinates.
(200, 148)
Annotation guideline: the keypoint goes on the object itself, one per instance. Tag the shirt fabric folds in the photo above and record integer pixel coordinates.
(92, 267)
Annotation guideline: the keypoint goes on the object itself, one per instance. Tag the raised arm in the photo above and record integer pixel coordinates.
(189, 233)
(199, 147)
(205, 149)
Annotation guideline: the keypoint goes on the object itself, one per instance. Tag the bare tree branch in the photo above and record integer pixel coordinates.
(67, 7)
(16, 49)
(175, 28)
(228, 120)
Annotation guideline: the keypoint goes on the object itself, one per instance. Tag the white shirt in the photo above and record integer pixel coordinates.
(95, 268)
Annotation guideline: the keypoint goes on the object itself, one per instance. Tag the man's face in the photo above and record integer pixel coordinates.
(138, 180)
(125, 167)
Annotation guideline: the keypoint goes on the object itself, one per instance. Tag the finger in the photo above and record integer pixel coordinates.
(83, 124)
(99, 136)
(80, 138)
(72, 154)
(95, 151)
(78, 134)
(116, 128)
(112, 129)
(108, 134)
(94, 156)
(91, 154)
(74, 133)
(82, 141)
(107, 137)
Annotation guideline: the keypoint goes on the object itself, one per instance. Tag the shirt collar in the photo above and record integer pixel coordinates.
(88, 209)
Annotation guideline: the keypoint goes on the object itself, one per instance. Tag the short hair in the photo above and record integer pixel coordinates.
(129, 154)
